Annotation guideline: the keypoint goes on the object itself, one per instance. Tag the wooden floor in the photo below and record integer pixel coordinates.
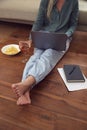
(53, 106)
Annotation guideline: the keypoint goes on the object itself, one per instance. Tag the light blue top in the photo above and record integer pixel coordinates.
(64, 21)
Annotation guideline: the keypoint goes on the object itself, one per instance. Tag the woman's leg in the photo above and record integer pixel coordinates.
(31, 61)
(19, 88)
(41, 68)
(45, 64)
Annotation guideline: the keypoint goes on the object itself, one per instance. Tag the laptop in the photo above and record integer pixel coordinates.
(46, 40)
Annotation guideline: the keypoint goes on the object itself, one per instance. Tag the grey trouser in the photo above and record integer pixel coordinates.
(42, 62)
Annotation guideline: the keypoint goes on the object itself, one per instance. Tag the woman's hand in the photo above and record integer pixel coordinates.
(22, 44)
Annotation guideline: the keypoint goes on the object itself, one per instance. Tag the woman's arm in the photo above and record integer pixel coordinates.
(42, 12)
(39, 23)
(73, 19)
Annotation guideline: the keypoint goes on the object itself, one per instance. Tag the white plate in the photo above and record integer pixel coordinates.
(11, 49)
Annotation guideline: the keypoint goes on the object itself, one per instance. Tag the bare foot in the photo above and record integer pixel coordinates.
(19, 88)
(22, 90)
(24, 99)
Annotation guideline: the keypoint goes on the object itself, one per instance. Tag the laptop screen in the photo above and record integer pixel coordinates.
(46, 40)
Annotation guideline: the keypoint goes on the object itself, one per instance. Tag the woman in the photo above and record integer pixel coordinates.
(54, 16)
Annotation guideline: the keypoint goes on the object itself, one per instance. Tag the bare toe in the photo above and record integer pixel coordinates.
(16, 90)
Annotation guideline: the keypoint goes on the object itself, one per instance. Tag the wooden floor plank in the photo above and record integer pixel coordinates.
(63, 123)
(61, 105)
(5, 124)
(26, 117)
(78, 43)
(17, 117)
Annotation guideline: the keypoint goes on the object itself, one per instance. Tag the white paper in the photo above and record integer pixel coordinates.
(72, 86)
